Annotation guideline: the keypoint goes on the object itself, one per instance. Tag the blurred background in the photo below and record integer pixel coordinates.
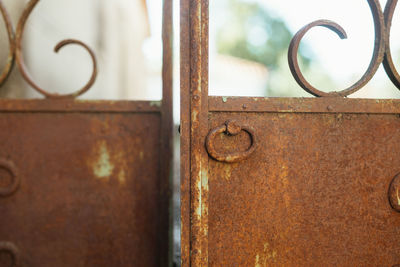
(249, 40)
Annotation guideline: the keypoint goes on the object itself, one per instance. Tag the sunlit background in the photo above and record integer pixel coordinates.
(249, 40)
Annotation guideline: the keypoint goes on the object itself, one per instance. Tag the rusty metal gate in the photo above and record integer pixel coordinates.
(288, 181)
(84, 183)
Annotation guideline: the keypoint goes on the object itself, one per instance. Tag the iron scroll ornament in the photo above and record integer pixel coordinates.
(11, 44)
(15, 53)
(230, 128)
(381, 54)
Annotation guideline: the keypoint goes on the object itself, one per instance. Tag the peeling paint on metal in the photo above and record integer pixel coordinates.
(155, 104)
(266, 258)
(122, 177)
(103, 167)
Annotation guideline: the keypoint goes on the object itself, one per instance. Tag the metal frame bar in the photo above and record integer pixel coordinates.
(194, 127)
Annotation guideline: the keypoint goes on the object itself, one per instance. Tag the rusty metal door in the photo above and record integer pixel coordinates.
(84, 183)
(288, 181)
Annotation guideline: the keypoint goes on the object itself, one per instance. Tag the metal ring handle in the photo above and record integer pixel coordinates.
(394, 193)
(11, 249)
(231, 128)
(12, 188)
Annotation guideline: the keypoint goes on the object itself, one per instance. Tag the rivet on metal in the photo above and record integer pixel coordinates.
(394, 193)
(230, 128)
(12, 170)
(12, 250)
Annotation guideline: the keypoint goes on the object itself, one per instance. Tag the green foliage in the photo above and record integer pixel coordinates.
(250, 32)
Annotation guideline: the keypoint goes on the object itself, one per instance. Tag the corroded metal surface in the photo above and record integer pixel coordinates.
(84, 183)
(317, 191)
(89, 184)
(230, 128)
(194, 106)
(314, 193)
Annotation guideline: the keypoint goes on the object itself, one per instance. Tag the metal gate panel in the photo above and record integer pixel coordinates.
(88, 183)
(315, 190)
(287, 181)
(84, 183)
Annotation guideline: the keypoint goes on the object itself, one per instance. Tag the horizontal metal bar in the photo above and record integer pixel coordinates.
(303, 105)
(68, 106)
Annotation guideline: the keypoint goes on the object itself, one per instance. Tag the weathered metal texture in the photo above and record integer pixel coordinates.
(315, 192)
(91, 178)
(317, 189)
(194, 106)
(90, 185)
(230, 128)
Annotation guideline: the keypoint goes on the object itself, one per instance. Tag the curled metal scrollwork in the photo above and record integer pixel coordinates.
(381, 46)
(11, 43)
(230, 128)
(20, 59)
(15, 53)
(388, 60)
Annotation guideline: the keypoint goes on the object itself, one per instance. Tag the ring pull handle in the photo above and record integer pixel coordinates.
(230, 128)
(15, 179)
(394, 193)
(12, 250)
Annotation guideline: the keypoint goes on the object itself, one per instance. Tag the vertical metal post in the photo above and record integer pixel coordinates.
(194, 127)
(165, 225)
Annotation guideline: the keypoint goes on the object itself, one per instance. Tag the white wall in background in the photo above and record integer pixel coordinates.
(115, 30)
